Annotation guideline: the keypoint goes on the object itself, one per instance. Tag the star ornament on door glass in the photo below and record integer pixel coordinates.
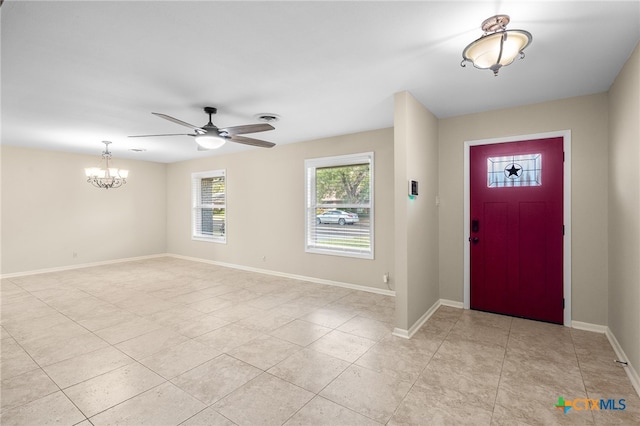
(513, 172)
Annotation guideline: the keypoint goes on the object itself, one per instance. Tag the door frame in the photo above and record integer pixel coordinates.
(566, 244)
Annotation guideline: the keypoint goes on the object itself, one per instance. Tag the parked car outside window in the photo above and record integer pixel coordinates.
(337, 216)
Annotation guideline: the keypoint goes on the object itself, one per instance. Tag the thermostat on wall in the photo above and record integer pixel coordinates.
(413, 188)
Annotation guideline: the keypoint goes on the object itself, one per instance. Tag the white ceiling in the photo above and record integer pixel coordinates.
(76, 73)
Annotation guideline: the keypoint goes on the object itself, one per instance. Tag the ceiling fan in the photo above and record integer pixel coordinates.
(211, 137)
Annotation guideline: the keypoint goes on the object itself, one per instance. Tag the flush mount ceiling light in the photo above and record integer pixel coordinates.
(108, 177)
(498, 46)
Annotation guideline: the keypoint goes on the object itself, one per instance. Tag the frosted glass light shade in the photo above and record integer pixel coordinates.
(209, 141)
(498, 46)
(485, 52)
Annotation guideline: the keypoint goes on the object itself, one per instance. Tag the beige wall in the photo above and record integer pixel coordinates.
(586, 117)
(266, 210)
(416, 221)
(624, 209)
(49, 211)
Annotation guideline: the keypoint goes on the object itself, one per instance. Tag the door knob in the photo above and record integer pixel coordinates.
(474, 240)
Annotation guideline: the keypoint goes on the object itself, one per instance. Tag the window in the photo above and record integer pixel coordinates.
(514, 170)
(209, 203)
(339, 205)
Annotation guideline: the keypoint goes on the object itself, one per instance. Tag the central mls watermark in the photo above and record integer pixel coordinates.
(586, 404)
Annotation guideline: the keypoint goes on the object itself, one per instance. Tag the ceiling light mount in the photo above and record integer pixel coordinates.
(498, 46)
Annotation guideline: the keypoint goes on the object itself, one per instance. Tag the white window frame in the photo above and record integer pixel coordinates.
(311, 204)
(196, 206)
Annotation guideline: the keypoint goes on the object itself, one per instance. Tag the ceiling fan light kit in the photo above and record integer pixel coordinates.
(209, 141)
(210, 136)
(109, 177)
(498, 47)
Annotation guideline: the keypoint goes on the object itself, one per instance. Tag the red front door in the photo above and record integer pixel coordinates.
(517, 228)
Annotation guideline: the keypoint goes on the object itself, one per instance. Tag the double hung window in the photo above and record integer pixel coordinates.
(209, 206)
(339, 205)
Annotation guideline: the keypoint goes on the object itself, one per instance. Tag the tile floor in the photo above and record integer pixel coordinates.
(171, 342)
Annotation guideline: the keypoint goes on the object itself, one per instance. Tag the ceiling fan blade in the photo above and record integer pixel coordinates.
(167, 134)
(248, 128)
(251, 141)
(180, 122)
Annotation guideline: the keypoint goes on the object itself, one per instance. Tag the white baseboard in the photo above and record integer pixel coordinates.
(407, 334)
(631, 372)
(596, 328)
(81, 265)
(451, 303)
(287, 275)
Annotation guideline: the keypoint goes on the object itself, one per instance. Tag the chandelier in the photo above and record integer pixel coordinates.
(498, 46)
(108, 177)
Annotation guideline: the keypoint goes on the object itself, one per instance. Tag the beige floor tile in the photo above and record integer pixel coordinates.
(120, 332)
(538, 409)
(486, 319)
(105, 391)
(272, 401)
(321, 411)
(237, 312)
(211, 304)
(456, 361)
(215, 379)
(396, 360)
(565, 378)
(150, 343)
(228, 337)
(267, 322)
(27, 387)
(200, 325)
(293, 309)
(379, 312)
(54, 409)
(342, 345)
(179, 359)
(479, 333)
(25, 311)
(146, 305)
(418, 408)
(208, 417)
(174, 316)
(243, 295)
(264, 352)
(367, 328)
(59, 350)
(300, 332)
(309, 369)
(14, 360)
(104, 320)
(267, 301)
(327, 317)
(163, 405)
(382, 396)
(86, 366)
(4, 334)
(35, 328)
(87, 308)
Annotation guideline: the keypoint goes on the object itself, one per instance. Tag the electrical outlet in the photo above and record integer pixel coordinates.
(385, 278)
(264, 258)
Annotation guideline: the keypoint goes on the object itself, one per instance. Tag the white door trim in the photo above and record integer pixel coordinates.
(566, 135)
